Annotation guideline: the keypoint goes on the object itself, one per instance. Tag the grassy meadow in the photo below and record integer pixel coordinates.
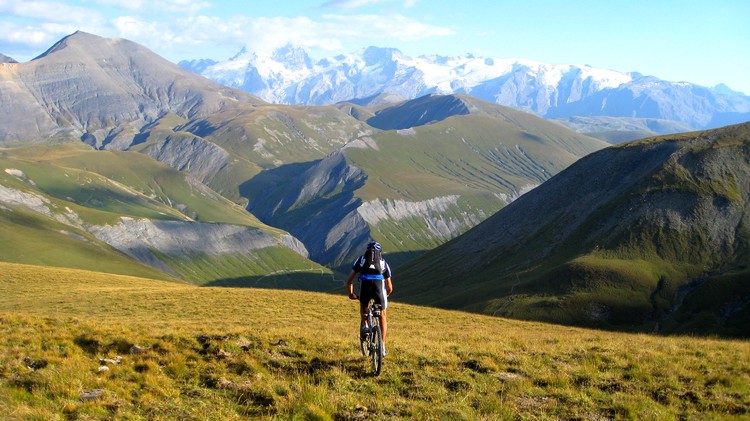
(86, 345)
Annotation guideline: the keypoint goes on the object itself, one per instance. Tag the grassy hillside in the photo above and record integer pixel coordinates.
(625, 238)
(180, 352)
(263, 137)
(118, 184)
(30, 238)
(416, 188)
(57, 198)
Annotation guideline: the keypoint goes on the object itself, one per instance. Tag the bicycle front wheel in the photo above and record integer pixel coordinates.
(376, 349)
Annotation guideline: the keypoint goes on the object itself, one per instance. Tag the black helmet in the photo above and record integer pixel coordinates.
(375, 245)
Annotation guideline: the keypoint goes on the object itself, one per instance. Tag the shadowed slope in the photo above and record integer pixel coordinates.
(617, 239)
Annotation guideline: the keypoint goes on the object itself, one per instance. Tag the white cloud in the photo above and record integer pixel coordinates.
(188, 37)
(21, 35)
(385, 27)
(26, 42)
(157, 36)
(49, 11)
(352, 4)
(330, 33)
(355, 4)
(196, 36)
(187, 7)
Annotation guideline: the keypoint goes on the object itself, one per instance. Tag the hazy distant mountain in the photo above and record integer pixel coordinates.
(622, 129)
(289, 76)
(6, 59)
(652, 234)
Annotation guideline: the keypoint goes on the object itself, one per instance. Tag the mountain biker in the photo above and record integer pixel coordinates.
(374, 283)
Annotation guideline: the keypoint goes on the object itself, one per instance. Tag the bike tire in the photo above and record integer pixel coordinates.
(364, 344)
(376, 350)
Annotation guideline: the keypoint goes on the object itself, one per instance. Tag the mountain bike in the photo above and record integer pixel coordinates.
(371, 338)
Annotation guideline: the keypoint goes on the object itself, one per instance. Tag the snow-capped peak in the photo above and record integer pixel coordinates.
(288, 75)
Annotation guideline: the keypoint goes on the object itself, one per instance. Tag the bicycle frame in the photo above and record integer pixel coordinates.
(371, 339)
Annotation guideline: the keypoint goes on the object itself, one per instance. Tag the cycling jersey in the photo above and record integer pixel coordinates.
(372, 282)
(369, 274)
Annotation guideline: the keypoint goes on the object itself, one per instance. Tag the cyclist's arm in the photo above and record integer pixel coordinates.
(388, 285)
(350, 285)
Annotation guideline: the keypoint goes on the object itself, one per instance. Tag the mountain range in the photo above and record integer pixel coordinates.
(554, 91)
(329, 176)
(116, 160)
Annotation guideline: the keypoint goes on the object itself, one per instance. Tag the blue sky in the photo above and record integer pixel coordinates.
(704, 42)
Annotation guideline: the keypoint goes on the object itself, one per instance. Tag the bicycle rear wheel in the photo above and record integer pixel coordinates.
(376, 349)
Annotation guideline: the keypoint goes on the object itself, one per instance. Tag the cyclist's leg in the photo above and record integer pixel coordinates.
(365, 295)
(383, 324)
(382, 299)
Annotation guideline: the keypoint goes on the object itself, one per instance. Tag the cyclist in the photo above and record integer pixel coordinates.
(374, 283)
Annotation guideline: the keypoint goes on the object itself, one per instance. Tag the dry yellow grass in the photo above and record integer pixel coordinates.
(212, 353)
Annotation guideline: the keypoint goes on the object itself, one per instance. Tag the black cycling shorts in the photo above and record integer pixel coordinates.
(373, 290)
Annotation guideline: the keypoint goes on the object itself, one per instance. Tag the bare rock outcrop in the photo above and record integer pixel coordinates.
(139, 238)
(201, 158)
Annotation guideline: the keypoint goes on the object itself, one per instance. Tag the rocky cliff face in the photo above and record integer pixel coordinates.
(194, 155)
(298, 206)
(440, 225)
(138, 237)
(141, 238)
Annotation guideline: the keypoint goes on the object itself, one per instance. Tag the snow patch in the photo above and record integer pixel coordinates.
(15, 172)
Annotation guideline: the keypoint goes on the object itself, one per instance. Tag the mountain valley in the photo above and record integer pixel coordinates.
(661, 243)
(311, 171)
(115, 160)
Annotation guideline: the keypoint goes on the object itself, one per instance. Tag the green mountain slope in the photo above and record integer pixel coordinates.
(64, 204)
(654, 234)
(228, 148)
(320, 173)
(414, 189)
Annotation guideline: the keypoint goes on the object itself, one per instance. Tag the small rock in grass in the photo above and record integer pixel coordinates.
(137, 350)
(93, 395)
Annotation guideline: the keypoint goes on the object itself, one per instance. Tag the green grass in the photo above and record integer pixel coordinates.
(213, 353)
(270, 267)
(469, 155)
(111, 184)
(30, 238)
